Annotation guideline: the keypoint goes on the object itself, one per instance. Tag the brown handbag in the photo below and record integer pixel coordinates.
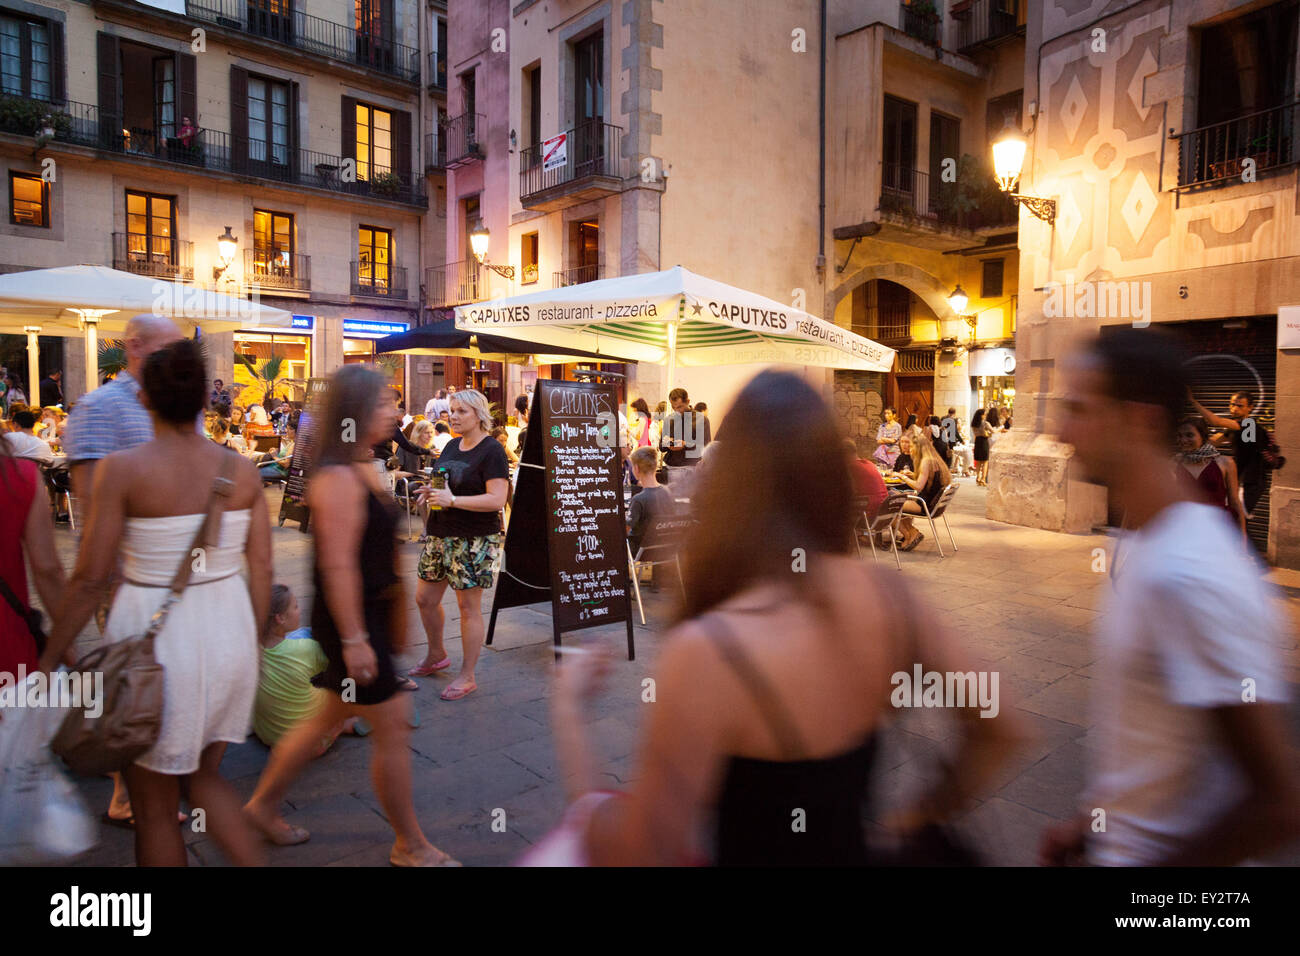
(132, 713)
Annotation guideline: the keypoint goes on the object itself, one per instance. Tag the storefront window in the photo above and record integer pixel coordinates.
(996, 390)
(293, 350)
(391, 366)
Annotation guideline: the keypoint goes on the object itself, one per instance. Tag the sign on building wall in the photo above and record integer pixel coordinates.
(371, 327)
(555, 152)
(1288, 327)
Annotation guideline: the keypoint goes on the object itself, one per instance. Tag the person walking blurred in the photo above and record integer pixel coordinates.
(774, 684)
(357, 618)
(26, 531)
(113, 418)
(1191, 757)
(150, 503)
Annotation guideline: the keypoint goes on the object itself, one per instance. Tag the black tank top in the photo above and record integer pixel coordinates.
(792, 812)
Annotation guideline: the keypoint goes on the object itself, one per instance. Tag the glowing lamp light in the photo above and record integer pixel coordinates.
(478, 241)
(958, 300)
(1009, 157)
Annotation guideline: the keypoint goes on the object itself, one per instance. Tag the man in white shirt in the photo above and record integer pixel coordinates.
(437, 405)
(1190, 764)
(24, 443)
(441, 435)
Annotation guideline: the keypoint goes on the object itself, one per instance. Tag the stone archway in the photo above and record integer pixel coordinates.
(921, 283)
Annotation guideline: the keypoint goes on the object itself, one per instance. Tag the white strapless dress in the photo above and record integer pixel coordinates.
(208, 646)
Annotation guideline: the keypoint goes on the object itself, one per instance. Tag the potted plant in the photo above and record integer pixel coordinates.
(387, 183)
(530, 274)
(267, 374)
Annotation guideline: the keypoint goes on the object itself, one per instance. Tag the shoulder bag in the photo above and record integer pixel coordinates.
(132, 712)
(29, 614)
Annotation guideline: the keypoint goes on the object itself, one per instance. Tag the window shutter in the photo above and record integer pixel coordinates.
(239, 118)
(58, 64)
(294, 119)
(402, 131)
(348, 128)
(187, 100)
(108, 65)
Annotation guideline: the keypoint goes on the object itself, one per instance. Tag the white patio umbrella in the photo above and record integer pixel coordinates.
(673, 317)
(82, 300)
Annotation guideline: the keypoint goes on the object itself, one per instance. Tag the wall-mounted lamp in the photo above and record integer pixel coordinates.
(478, 243)
(1008, 159)
(226, 246)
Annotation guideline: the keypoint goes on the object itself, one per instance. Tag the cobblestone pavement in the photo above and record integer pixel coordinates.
(1024, 600)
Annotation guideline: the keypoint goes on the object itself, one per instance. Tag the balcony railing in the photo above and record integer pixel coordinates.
(455, 283)
(160, 256)
(1217, 154)
(85, 125)
(909, 192)
(311, 34)
(591, 149)
(437, 70)
(435, 151)
(921, 22)
(461, 136)
(987, 21)
(277, 270)
(577, 275)
(379, 279)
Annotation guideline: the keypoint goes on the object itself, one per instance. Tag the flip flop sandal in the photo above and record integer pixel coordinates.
(289, 836)
(406, 684)
(431, 669)
(128, 823)
(456, 693)
(445, 861)
(920, 536)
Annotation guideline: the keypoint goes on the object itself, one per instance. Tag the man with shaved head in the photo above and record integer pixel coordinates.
(109, 419)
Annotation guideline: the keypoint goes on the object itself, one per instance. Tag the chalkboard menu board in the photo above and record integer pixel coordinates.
(293, 506)
(569, 490)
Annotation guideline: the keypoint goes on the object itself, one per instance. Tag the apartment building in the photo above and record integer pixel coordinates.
(1165, 134)
(172, 123)
(619, 138)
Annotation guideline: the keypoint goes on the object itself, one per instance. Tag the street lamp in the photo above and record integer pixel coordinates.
(1008, 159)
(478, 243)
(958, 299)
(226, 245)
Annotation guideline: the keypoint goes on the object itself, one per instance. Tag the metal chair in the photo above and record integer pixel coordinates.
(940, 506)
(886, 519)
(403, 489)
(660, 545)
(59, 482)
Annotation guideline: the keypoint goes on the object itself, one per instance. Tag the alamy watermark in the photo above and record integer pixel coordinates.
(78, 690)
(1099, 299)
(922, 688)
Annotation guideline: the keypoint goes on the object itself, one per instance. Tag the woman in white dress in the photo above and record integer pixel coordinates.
(150, 502)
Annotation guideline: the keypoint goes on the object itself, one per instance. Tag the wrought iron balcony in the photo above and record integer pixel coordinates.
(273, 20)
(437, 70)
(577, 275)
(160, 256)
(587, 165)
(84, 124)
(461, 136)
(985, 22)
(381, 279)
(435, 150)
(910, 193)
(1217, 155)
(277, 270)
(455, 283)
(921, 21)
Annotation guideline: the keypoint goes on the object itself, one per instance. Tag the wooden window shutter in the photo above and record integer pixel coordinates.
(239, 117)
(109, 67)
(58, 64)
(402, 138)
(348, 128)
(294, 118)
(187, 99)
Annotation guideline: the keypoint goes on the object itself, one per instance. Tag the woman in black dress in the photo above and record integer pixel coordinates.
(356, 617)
(981, 453)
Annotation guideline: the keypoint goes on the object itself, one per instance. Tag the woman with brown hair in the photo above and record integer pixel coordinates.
(356, 618)
(775, 683)
(932, 476)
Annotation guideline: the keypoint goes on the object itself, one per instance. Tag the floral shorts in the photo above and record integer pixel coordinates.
(461, 562)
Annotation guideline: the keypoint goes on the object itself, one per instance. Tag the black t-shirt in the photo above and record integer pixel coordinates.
(1249, 455)
(468, 473)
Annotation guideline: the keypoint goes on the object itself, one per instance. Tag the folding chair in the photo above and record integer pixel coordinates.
(886, 519)
(940, 506)
(59, 481)
(660, 545)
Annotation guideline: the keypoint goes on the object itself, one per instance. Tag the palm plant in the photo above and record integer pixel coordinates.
(389, 365)
(112, 357)
(268, 374)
